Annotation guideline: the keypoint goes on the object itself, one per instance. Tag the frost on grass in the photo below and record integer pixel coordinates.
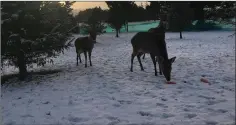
(108, 93)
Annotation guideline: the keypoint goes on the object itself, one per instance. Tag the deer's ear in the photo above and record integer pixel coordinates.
(172, 59)
(161, 59)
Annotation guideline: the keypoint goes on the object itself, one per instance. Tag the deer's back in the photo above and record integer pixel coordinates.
(84, 43)
(149, 43)
(159, 31)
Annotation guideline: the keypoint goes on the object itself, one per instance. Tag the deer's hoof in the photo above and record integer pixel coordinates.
(131, 70)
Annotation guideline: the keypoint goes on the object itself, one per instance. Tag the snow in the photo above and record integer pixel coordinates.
(109, 94)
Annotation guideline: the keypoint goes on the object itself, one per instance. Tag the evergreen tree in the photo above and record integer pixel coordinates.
(198, 9)
(154, 10)
(179, 16)
(33, 32)
(116, 17)
(224, 13)
(95, 22)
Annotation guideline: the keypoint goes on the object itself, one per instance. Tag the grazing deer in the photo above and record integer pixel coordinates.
(154, 44)
(160, 29)
(85, 45)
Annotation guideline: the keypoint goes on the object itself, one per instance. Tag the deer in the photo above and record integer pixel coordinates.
(85, 45)
(159, 29)
(155, 45)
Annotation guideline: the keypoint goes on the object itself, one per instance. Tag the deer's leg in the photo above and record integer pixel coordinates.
(157, 60)
(80, 59)
(139, 60)
(77, 59)
(154, 62)
(85, 56)
(143, 55)
(90, 57)
(160, 70)
(132, 60)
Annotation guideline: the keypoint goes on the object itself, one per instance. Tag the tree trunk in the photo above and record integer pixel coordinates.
(117, 31)
(22, 65)
(127, 26)
(180, 34)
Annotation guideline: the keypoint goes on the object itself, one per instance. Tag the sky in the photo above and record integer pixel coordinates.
(78, 6)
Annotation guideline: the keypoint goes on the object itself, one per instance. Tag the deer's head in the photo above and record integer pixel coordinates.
(93, 35)
(163, 21)
(164, 24)
(166, 66)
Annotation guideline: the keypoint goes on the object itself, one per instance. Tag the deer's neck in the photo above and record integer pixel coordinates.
(163, 50)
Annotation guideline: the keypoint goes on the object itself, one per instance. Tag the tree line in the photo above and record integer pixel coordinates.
(178, 14)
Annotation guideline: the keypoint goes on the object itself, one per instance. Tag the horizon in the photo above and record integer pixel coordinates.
(80, 6)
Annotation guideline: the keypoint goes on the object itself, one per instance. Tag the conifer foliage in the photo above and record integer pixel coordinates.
(33, 32)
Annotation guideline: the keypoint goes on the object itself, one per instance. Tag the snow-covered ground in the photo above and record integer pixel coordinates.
(109, 94)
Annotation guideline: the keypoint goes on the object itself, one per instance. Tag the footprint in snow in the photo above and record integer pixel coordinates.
(76, 119)
(164, 115)
(163, 99)
(27, 115)
(222, 110)
(161, 105)
(211, 123)
(114, 120)
(46, 102)
(186, 109)
(30, 101)
(190, 116)
(206, 97)
(218, 110)
(124, 102)
(48, 113)
(142, 113)
(11, 123)
(116, 105)
(213, 102)
(179, 91)
(70, 102)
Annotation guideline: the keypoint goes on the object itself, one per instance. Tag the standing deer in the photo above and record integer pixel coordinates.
(85, 45)
(155, 45)
(160, 29)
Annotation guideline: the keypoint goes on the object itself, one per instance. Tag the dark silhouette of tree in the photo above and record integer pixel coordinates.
(179, 16)
(198, 8)
(140, 14)
(224, 13)
(84, 15)
(95, 22)
(154, 10)
(116, 17)
(128, 7)
(32, 32)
